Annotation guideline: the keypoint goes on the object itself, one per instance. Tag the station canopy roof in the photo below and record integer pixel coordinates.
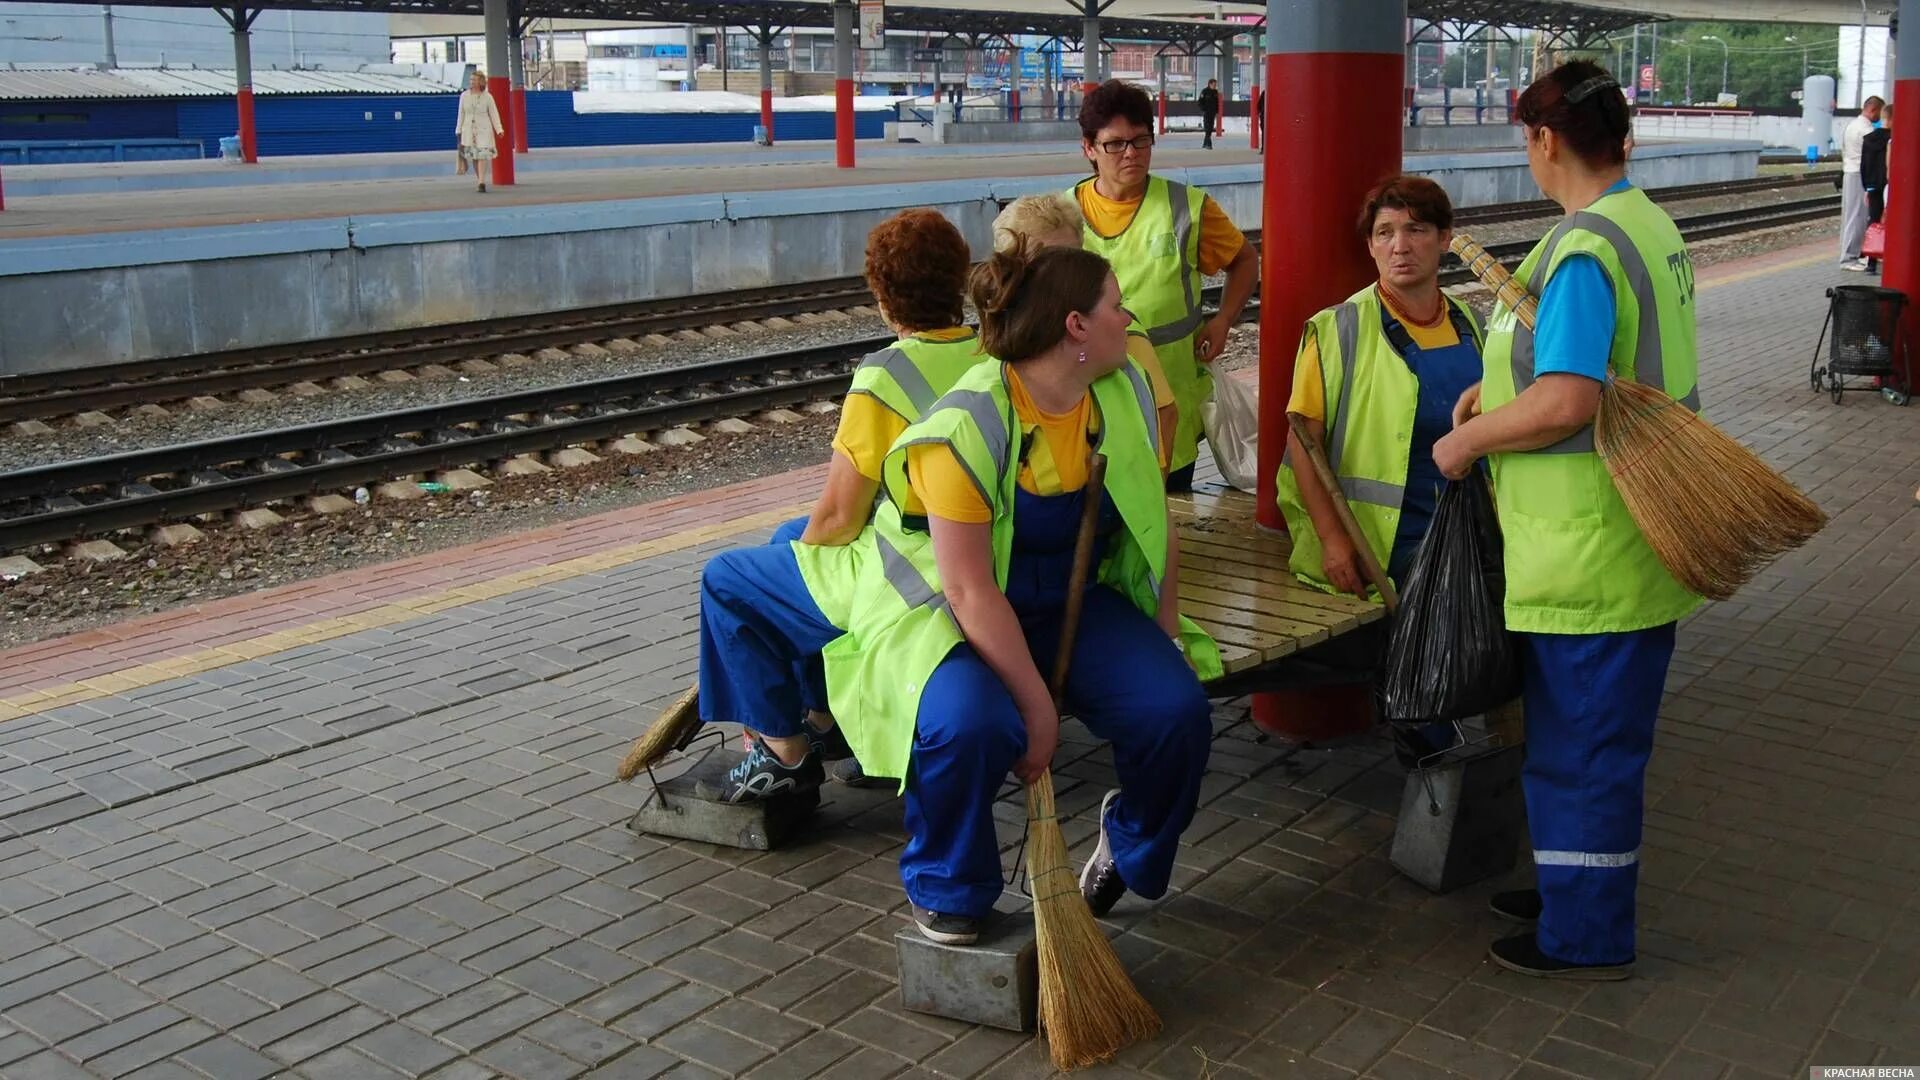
(1191, 22)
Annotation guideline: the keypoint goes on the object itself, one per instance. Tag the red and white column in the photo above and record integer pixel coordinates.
(242, 22)
(517, 75)
(1334, 83)
(1256, 96)
(766, 82)
(499, 63)
(1902, 264)
(843, 16)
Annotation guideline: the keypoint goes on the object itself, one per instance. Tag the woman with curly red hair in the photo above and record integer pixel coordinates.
(916, 267)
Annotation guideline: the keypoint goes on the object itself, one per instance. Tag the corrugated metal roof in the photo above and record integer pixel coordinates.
(84, 83)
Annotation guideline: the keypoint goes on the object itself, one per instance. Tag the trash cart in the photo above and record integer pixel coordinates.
(1867, 342)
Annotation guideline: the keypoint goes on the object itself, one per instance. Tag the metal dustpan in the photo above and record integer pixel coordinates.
(1461, 815)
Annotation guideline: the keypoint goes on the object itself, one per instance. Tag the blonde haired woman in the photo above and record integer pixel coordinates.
(477, 124)
(1053, 220)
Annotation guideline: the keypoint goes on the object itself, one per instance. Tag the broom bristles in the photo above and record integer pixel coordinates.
(669, 732)
(1712, 511)
(1089, 1008)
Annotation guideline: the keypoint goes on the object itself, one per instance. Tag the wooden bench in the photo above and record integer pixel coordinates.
(1235, 583)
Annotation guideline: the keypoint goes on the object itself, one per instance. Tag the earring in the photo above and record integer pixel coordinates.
(1083, 356)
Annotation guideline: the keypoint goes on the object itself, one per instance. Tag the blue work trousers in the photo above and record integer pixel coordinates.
(1591, 700)
(1128, 683)
(758, 628)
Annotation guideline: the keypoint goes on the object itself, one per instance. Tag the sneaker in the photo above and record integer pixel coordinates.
(1520, 905)
(1100, 880)
(946, 929)
(1522, 953)
(762, 775)
(828, 745)
(1857, 265)
(849, 771)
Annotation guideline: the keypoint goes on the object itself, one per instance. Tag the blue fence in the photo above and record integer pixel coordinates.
(79, 151)
(360, 124)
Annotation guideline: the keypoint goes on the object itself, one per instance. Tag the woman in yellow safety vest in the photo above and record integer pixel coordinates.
(916, 268)
(1053, 220)
(930, 623)
(1593, 606)
(1376, 380)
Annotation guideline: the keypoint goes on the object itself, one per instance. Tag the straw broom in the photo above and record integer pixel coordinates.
(1362, 547)
(1089, 1008)
(673, 730)
(1713, 512)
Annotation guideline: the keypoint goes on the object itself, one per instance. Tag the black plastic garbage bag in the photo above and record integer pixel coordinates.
(1449, 654)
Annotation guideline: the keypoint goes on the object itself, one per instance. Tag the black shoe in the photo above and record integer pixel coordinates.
(849, 771)
(762, 775)
(1520, 905)
(1100, 879)
(1522, 953)
(946, 929)
(828, 745)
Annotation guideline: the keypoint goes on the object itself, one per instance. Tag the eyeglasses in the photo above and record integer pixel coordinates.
(1116, 147)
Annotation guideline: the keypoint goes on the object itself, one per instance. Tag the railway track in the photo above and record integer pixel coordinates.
(98, 496)
(94, 392)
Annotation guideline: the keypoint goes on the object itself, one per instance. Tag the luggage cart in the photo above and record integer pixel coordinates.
(1867, 341)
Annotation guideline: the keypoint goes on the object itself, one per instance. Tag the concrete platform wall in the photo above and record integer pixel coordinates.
(76, 301)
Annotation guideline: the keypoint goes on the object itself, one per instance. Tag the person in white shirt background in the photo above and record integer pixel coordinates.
(1853, 193)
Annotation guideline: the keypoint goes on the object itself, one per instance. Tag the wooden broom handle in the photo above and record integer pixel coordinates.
(1377, 577)
(1506, 288)
(1094, 496)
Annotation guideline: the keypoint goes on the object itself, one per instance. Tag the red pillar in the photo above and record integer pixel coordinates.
(1253, 118)
(3, 197)
(1336, 100)
(249, 145)
(843, 89)
(1901, 268)
(519, 124)
(497, 86)
(766, 114)
(1163, 112)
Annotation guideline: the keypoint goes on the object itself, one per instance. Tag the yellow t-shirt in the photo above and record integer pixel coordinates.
(1309, 389)
(868, 428)
(1140, 351)
(1220, 240)
(1058, 446)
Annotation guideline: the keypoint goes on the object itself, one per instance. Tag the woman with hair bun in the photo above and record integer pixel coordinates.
(1593, 606)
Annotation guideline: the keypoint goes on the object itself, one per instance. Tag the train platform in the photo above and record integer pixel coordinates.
(367, 826)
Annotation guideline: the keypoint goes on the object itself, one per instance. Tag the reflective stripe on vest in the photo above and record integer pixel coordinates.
(1649, 367)
(1187, 325)
(900, 367)
(905, 578)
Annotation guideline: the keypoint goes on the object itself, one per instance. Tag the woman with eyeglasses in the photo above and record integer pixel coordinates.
(1593, 606)
(1162, 238)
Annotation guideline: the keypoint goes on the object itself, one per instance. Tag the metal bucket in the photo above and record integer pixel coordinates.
(1461, 816)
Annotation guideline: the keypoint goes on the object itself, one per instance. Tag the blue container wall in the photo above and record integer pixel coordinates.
(377, 123)
(92, 119)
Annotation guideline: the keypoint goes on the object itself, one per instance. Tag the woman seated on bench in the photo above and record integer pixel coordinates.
(916, 268)
(957, 587)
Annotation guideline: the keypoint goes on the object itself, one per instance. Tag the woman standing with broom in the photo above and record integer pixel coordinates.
(1593, 604)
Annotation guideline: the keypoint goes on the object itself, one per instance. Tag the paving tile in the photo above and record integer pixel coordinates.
(404, 1049)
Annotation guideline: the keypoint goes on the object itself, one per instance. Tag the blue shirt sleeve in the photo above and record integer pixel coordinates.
(1574, 333)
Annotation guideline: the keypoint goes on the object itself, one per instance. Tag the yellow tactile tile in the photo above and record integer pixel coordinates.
(30, 702)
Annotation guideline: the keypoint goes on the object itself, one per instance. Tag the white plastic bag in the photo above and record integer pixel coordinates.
(1231, 416)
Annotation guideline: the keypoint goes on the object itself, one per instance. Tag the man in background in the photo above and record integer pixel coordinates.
(1210, 111)
(1853, 191)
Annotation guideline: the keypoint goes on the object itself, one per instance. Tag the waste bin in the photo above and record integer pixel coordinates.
(230, 148)
(759, 135)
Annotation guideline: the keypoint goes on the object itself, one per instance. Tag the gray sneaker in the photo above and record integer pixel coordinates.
(762, 775)
(946, 929)
(1100, 879)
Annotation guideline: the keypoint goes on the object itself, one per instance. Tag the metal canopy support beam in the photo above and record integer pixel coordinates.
(843, 16)
(1090, 46)
(765, 34)
(517, 78)
(499, 22)
(241, 19)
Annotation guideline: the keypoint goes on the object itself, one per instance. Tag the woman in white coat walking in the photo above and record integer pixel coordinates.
(478, 123)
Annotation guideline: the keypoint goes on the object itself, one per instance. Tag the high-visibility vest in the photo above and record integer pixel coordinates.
(1156, 259)
(909, 375)
(1371, 398)
(1576, 563)
(884, 589)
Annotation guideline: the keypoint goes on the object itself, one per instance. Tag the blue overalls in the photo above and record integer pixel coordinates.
(760, 640)
(1443, 374)
(1128, 683)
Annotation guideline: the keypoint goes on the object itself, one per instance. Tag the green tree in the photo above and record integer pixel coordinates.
(1763, 66)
